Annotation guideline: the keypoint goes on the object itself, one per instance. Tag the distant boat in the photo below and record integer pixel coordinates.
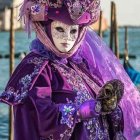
(133, 74)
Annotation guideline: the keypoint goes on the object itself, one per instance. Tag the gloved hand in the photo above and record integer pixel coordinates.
(89, 109)
(110, 95)
(71, 114)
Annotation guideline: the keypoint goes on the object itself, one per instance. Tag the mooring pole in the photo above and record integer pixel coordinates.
(100, 24)
(126, 56)
(11, 67)
(111, 26)
(116, 40)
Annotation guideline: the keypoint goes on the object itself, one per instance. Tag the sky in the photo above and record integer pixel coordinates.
(128, 11)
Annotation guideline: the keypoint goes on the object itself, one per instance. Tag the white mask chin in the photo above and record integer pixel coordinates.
(64, 36)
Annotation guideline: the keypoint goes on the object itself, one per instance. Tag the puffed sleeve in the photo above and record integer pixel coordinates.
(23, 79)
(52, 119)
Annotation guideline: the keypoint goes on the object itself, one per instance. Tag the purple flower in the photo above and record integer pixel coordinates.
(68, 110)
(35, 9)
(26, 80)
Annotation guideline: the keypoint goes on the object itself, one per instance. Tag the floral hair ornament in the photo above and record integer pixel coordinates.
(38, 9)
(83, 11)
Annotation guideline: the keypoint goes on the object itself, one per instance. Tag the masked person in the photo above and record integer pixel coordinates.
(70, 86)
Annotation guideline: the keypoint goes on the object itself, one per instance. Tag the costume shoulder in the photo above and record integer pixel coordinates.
(23, 79)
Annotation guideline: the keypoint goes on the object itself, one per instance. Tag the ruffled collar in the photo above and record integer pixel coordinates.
(37, 46)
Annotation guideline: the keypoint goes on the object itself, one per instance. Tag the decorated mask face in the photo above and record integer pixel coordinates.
(64, 36)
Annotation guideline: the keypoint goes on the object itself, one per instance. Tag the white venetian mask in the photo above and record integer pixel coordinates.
(64, 36)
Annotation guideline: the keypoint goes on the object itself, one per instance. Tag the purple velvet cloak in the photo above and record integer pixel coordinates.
(41, 91)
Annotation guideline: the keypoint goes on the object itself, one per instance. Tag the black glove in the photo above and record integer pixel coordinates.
(110, 95)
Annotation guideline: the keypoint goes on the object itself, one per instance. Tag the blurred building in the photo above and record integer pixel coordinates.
(5, 14)
(104, 26)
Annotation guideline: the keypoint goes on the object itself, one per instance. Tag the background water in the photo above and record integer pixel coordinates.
(22, 43)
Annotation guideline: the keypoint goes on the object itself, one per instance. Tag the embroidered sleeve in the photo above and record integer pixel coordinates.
(22, 80)
(69, 115)
(53, 118)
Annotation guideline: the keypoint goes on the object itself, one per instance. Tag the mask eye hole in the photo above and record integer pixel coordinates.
(59, 29)
(73, 31)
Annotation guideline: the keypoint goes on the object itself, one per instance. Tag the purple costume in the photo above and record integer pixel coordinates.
(45, 94)
(48, 86)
